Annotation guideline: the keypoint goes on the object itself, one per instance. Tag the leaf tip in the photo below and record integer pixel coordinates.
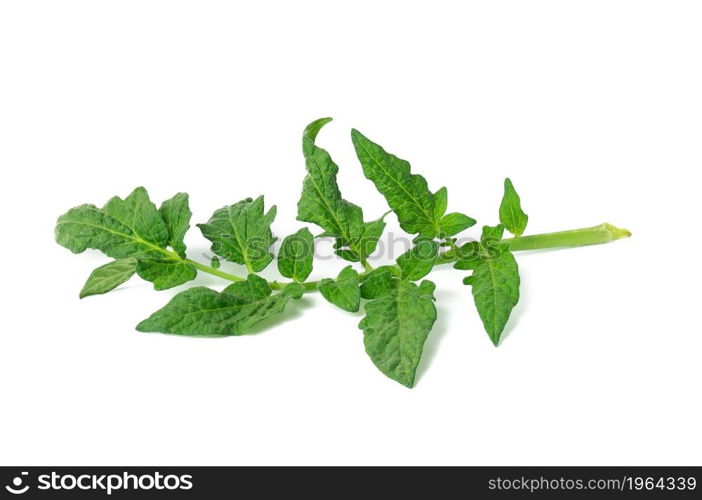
(145, 326)
(356, 135)
(407, 383)
(495, 335)
(313, 128)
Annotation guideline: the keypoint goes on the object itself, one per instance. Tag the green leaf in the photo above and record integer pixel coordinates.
(491, 244)
(492, 233)
(165, 273)
(440, 202)
(176, 213)
(311, 131)
(200, 311)
(372, 231)
(344, 291)
(419, 260)
(495, 281)
(395, 327)
(511, 213)
(132, 227)
(214, 262)
(108, 277)
(379, 281)
(295, 255)
(251, 289)
(407, 194)
(495, 292)
(346, 254)
(138, 212)
(427, 287)
(468, 255)
(454, 223)
(321, 202)
(241, 233)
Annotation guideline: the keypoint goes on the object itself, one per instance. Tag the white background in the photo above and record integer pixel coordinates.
(594, 110)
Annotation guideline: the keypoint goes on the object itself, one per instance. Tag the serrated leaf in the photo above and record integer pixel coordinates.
(454, 223)
(427, 287)
(468, 255)
(407, 194)
(372, 231)
(251, 289)
(321, 202)
(495, 282)
(131, 227)
(241, 233)
(295, 255)
(165, 273)
(379, 281)
(495, 285)
(200, 311)
(492, 233)
(395, 327)
(440, 202)
(511, 213)
(108, 277)
(138, 212)
(419, 260)
(176, 213)
(346, 254)
(491, 244)
(344, 291)
(134, 227)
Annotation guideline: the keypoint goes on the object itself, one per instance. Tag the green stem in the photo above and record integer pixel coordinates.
(215, 272)
(573, 238)
(594, 235)
(309, 286)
